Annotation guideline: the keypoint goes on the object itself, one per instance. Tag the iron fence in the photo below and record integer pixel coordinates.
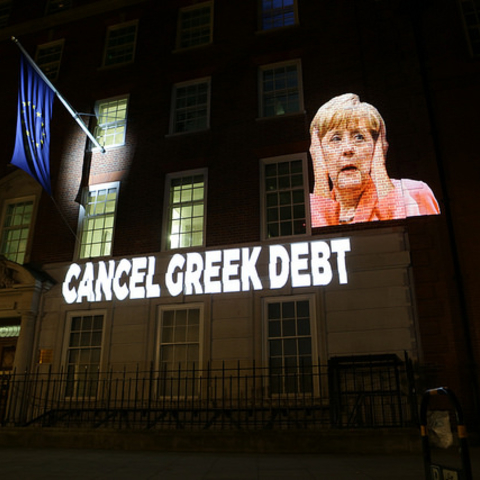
(372, 392)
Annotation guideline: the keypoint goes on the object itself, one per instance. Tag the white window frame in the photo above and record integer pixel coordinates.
(181, 31)
(310, 298)
(278, 93)
(167, 207)
(111, 123)
(51, 69)
(189, 109)
(83, 217)
(471, 27)
(16, 201)
(159, 341)
(264, 201)
(130, 45)
(67, 347)
(281, 14)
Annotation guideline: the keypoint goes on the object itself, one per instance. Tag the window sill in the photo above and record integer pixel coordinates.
(266, 31)
(189, 132)
(104, 68)
(180, 50)
(285, 115)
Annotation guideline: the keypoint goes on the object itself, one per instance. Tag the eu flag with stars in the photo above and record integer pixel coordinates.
(32, 143)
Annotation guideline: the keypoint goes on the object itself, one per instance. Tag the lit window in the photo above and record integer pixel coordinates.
(195, 26)
(5, 9)
(278, 13)
(186, 211)
(16, 225)
(83, 355)
(120, 44)
(284, 191)
(290, 351)
(56, 6)
(280, 89)
(48, 58)
(191, 106)
(111, 121)
(471, 20)
(179, 345)
(97, 224)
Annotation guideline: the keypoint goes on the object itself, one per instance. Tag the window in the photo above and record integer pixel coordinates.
(285, 209)
(97, 222)
(55, 6)
(120, 44)
(5, 9)
(111, 121)
(16, 225)
(289, 349)
(471, 19)
(278, 13)
(191, 106)
(49, 57)
(195, 26)
(186, 210)
(83, 355)
(179, 349)
(280, 91)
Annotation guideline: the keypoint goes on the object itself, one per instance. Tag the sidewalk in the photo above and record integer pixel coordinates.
(25, 463)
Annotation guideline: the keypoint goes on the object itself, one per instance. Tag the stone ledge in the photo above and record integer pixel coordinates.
(371, 441)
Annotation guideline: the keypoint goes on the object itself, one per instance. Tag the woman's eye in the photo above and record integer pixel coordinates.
(359, 137)
(336, 138)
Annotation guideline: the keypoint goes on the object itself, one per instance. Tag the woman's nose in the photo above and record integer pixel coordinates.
(348, 148)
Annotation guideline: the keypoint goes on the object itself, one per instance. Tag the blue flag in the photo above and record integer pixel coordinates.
(32, 143)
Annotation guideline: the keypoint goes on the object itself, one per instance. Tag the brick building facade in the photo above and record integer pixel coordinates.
(215, 100)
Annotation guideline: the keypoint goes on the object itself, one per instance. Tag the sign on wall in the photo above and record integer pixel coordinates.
(302, 264)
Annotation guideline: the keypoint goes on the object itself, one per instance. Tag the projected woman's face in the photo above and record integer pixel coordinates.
(348, 152)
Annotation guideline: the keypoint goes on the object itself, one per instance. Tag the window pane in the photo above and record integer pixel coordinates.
(280, 90)
(97, 225)
(111, 122)
(191, 107)
(285, 212)
(179, 351)
(290, 346)
(15, 231)
(277, 13)
(83, 356)
(120, 45)
(186, 212)
(195, 26)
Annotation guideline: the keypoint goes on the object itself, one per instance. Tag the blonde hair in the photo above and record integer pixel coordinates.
(345, 109)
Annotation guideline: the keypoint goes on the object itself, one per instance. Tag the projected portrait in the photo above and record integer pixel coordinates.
(349, 149)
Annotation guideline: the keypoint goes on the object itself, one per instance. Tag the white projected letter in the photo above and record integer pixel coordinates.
(121, 291)
(230, 270)
(70, 294)
(153, 290)
(279, 266)
(321, 268)
(175, 287)
(340, 246)
(249, 270)
(299, 263)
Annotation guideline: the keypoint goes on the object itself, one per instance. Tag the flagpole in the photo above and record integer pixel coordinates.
(72, 112)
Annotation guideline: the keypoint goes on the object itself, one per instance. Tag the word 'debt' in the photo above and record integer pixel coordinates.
(304, 264)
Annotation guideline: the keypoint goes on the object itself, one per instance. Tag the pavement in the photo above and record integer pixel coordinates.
(55, 463)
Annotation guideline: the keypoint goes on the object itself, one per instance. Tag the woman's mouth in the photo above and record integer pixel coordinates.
(349, 168)
(349, 177)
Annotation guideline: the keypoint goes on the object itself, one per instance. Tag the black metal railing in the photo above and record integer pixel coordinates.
(371, 392)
